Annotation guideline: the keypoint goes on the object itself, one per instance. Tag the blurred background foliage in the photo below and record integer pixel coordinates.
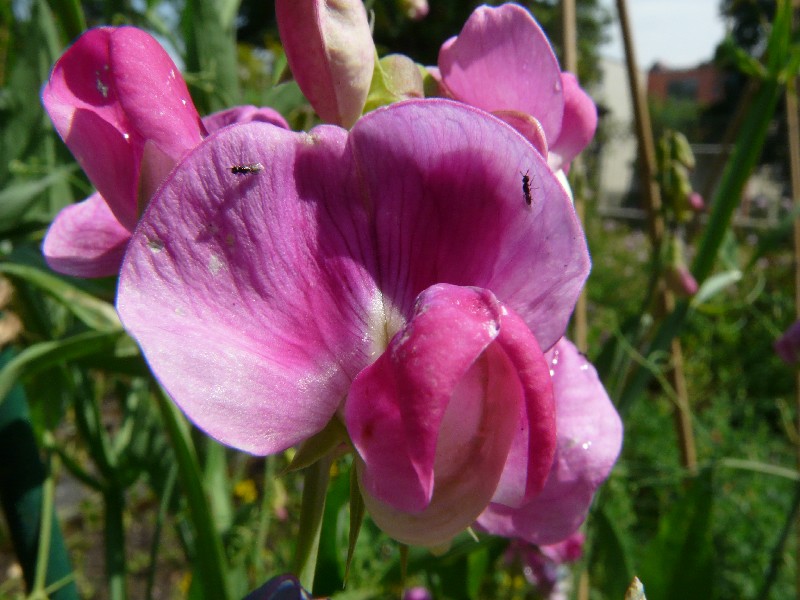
(150, 508)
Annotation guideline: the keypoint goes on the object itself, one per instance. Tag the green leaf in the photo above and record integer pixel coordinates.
(45, 355)
(93, 312)
(715, 285)
(679, 561)
(610, 557)
(17, 199)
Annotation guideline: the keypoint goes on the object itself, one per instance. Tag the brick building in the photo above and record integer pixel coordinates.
(703, 84)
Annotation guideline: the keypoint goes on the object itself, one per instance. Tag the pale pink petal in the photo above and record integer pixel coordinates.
(502, 60)
(578, 126)
(589, 440)
(248, 292)
(330, 51)
(433, 418)
(86, 240)
(243, 114)
(446, 180)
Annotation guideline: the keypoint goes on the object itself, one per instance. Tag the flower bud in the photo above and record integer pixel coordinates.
(329, 47)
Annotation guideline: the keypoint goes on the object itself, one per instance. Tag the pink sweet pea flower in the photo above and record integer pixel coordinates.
(787, 347)
(393, 276)
(329, 47)
(123, 109)
(589, 433)
(503, 63)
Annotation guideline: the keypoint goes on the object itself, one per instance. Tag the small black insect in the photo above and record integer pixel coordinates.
(246, 169)
(526, 187)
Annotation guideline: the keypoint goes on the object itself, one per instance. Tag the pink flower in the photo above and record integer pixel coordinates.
(394, 277)
(503, 63)
(787, 347)
(329, 47)
(123, 109)
(589, 433)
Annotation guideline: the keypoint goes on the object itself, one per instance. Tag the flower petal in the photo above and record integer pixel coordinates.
(112, 91)
(589, 440)
(86, 240)
(446, 181)
(243, 114)
(152, 92)
(578, 126)
(502, 60)
(329, 47)
(434, 416)
(243, 291)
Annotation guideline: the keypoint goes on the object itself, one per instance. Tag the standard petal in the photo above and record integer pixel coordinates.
(86, 240)
(243, 114)
(247, 291)
(589, 440)
(434, 417)
(578, 126)
(502, 60)
(446, 182)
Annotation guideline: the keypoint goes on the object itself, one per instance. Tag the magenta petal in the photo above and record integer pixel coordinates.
(243, 114)
(589, 440)
(152, 92)
(446, 180)
(579, 124)
(241, 288)
(86, 240)
(111, 92)
(502, 60)
(396, 405)
(433, 418)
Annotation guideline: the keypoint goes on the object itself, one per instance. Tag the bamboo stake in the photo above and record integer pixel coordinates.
(570, 49)
(655, 221)
(794, 169)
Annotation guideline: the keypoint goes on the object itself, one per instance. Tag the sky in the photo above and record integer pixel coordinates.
(677, 33)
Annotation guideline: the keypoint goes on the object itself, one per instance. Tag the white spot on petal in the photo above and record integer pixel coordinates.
(214, 264)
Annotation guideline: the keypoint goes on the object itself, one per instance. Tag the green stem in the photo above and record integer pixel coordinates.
(114, 499)
(315, 487)
(264, 517)
(161, 517)
(210, 558)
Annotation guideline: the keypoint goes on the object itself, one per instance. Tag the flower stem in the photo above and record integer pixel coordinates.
(315, 486)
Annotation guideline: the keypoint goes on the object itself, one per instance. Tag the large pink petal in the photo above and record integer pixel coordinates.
(446, 180)
(248, 292)
(284, 282)
(589, 441)
(502, 60)
(578, 127)
(433, 418)
(86, 240)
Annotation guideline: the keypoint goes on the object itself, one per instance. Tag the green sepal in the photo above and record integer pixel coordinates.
(322, 444)
(395, 77)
